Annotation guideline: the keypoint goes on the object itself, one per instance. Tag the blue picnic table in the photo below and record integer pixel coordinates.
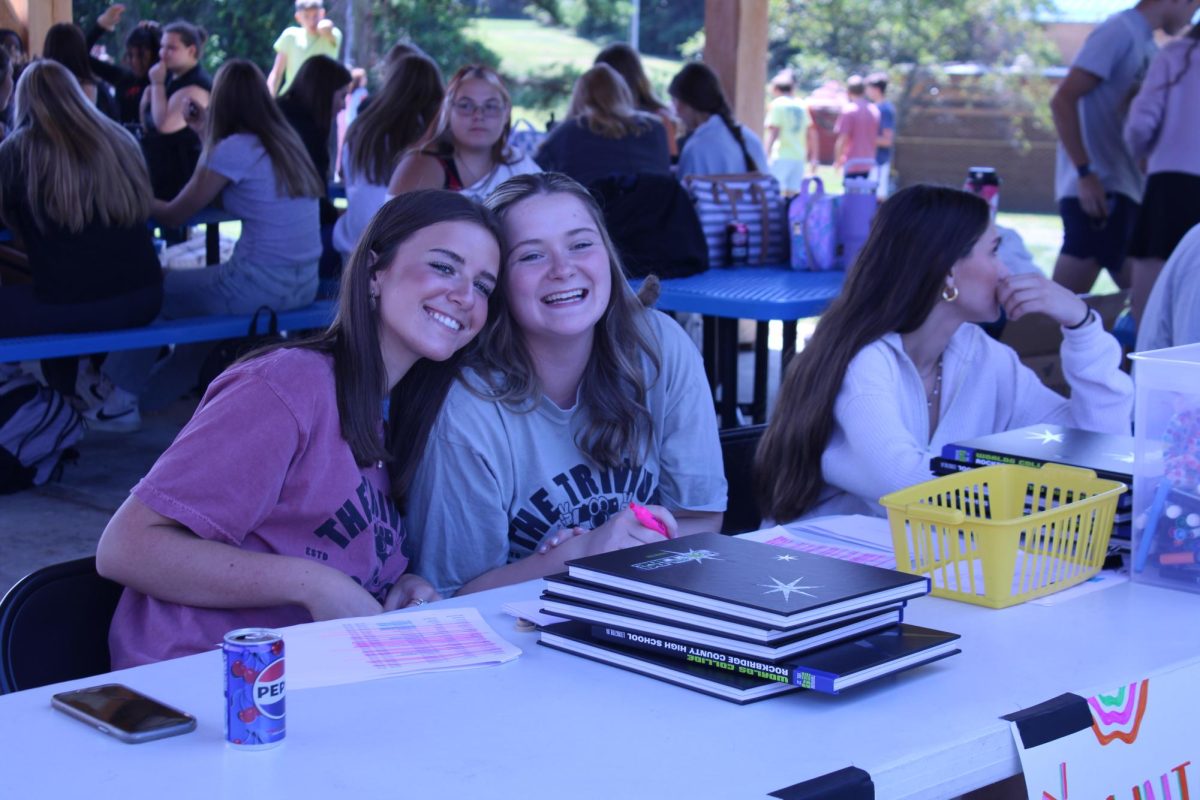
(760, 293)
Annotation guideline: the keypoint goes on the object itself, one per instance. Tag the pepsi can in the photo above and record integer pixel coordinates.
(254, 696)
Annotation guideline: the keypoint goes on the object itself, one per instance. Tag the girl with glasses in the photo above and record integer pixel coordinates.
(467, 150)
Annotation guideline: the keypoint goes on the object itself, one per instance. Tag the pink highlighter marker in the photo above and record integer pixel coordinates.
(649, 520)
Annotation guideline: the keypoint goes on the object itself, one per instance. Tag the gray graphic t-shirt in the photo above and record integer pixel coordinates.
(494, 482)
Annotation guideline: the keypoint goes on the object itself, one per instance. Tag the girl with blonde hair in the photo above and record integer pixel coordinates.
(604, 133)
(74, 191)
(576, 400)
(257, 165)
(628, 64)
(467, 150)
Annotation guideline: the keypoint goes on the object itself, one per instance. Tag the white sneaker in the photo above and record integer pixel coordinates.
(118, 412)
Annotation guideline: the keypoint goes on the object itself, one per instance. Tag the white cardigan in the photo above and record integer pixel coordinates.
(881, 440)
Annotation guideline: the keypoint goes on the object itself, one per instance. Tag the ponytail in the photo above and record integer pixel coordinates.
(736, 130)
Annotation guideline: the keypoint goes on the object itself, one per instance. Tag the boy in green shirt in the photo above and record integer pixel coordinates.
(314, 36)
(790, 141)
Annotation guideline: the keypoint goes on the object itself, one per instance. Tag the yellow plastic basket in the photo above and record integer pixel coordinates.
(998, 536)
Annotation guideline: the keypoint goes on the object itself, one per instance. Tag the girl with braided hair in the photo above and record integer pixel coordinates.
(717, 143)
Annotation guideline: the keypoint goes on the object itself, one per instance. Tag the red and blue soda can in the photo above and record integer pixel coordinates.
(254, 696)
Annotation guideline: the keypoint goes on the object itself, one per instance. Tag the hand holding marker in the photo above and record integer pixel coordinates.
(649, 520)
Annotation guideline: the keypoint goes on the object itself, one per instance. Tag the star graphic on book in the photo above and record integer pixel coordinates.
(785, 558)
(1124, 457)
(786, 589)
(696, 555)
(1045, 436)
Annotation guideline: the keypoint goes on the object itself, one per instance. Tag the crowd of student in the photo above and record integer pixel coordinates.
(492, 394)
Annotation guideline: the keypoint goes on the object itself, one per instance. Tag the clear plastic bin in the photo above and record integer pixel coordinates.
(1166, 472)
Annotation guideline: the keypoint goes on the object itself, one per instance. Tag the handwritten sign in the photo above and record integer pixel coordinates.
(1143, 744)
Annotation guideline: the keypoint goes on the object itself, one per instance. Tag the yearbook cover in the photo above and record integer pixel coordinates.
(615, 626)
(562, 594)
(746, 580)
(885, 652)
(685, 642)
(1110, 455)
(727, 684)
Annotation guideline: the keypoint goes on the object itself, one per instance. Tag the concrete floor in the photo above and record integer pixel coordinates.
(63, 520)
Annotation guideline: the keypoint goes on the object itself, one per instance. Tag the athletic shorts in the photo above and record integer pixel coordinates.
(1107, 240)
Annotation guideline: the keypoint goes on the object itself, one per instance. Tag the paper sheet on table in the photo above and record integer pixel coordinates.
(531, 610)
(861, 539)
(401, 643)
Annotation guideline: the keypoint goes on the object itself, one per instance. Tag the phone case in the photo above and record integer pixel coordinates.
(184, 724)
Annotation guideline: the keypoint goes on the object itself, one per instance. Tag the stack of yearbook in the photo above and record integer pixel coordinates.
(1109, 455)
(739, 619)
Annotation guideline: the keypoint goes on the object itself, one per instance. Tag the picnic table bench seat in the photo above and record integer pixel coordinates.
(160, 332)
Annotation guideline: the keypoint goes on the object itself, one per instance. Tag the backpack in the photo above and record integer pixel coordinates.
(37, 430)
(653, 225)
(812, 220)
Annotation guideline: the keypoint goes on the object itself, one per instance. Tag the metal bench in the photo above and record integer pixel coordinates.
(158, 333)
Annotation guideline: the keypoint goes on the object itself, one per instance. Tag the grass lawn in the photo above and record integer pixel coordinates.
(527, 48)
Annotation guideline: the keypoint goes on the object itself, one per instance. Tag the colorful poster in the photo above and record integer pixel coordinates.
(1143, 744)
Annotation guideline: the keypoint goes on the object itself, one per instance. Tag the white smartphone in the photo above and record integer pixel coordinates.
(124, 713)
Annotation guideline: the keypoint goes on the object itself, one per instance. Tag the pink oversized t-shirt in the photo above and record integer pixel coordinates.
(860, 122)
(263, 466)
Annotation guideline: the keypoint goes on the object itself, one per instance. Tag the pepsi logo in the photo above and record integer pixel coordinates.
(268, 690)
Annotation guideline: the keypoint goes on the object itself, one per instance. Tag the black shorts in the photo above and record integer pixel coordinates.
(1107, 241)
(1170, 208)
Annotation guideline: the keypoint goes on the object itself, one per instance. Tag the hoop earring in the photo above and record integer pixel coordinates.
(949, 293)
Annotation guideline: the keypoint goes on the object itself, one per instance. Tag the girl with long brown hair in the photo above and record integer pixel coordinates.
(717, 143)
(397, 117)
(895, 369)
(257, 165)
(280, 501)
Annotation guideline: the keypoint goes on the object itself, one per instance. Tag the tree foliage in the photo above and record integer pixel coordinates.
(245, 28)
(823, 39)
(249, 28)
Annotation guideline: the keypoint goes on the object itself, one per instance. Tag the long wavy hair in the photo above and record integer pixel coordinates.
(353, 340)
(915, 239)
(615, 382)
(698, 86)
(624, 59)
(396, 118)
(440, 141)
(312, 90)
(240, 103)
(603, 103)
(78, 165)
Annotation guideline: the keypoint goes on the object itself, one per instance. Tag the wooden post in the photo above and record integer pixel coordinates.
(736, 48)
(32, 18)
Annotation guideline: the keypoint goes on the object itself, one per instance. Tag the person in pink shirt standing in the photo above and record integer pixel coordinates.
(857, 130)
(279, 502)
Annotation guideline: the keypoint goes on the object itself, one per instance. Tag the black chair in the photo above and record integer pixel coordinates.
(54, 625)
(737, 448)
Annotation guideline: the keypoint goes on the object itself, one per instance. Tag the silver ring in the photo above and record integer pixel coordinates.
(419, 602)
